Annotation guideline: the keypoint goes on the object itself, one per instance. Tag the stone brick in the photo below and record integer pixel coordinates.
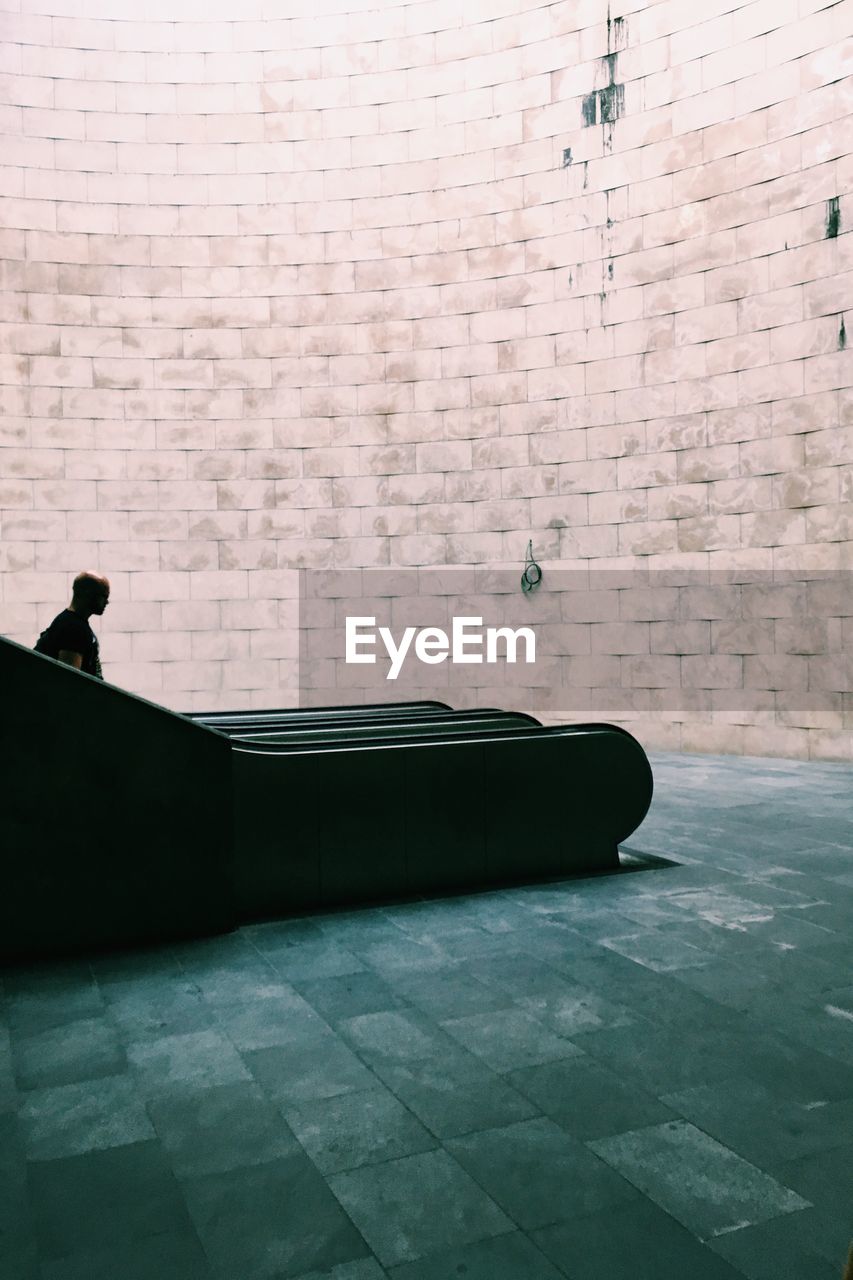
(156, 525)
(807, 488)
(822, 297)
(648, 538)
(674, 295)
(829, 523)
(437, 394)
(741, 280)
(493, 326)
(678, 501)
(474, 548)
(424, 549)
(772, 456)
(812, 337)
(463, 361)
(566, 511)
(773, 528)
(811, 413)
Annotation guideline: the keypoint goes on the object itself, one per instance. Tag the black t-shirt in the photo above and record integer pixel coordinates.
(69, 631)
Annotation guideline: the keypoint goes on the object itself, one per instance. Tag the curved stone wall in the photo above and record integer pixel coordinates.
(411, 287)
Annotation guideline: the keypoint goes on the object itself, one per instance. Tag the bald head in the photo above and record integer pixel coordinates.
(90, 593)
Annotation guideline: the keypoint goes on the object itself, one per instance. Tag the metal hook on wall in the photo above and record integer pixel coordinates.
(532, 575)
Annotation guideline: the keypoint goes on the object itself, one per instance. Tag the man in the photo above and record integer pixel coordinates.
(69, 637)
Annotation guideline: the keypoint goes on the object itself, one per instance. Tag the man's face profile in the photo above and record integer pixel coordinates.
(91, 593)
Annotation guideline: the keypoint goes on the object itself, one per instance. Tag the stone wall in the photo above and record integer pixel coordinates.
(409, 287)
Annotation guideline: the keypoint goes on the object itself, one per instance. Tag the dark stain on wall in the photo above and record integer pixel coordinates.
(612, 103)
(567, 157)
(603, 106)
(607, 105)
(833, 217)
(617, 32)
(842, 334)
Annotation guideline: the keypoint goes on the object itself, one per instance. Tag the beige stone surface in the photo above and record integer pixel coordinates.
(362, 287)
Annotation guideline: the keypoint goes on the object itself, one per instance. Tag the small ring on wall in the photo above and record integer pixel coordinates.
(532, 575)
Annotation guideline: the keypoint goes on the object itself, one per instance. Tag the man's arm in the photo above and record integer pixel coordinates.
(70, 658)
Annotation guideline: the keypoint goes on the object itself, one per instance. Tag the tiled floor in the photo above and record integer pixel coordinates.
(644, 1076)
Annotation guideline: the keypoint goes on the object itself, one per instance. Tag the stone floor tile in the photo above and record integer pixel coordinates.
(587, 1099)
(575, 1010)
(631, 1241)
(355, 1129)
(727, 982)
(764, 1128)
(517, 974)
(273, 934)
(350, 995)
(224, 1127)
(362, 1269)
(149, 1009)
(194, 1061)
(18, 1251)
(268, 1021)
(170, 1256)
(661, 1059)
(45, 1005)
(363, 927)
(388, 956)
(703, 1184)
(810, 1245)
(250, 980)
(538, 1173)
(92, 1115)
(104, 1199)
(414, 1206)
(825, 1179)
(455, 1093)
(308, 1069)
(451, 994)
(506, 1257)
(493, 910)
(247, 975)
(766, 931)
(81, 1050)
(394, 1035)
(658, 950)
(603, 920)
(661, 999)
(8, 1088)
(764, 1051)
(432, 924)
(310, 959)
(509, 1038)
(19, 1258)
(272, 1220)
